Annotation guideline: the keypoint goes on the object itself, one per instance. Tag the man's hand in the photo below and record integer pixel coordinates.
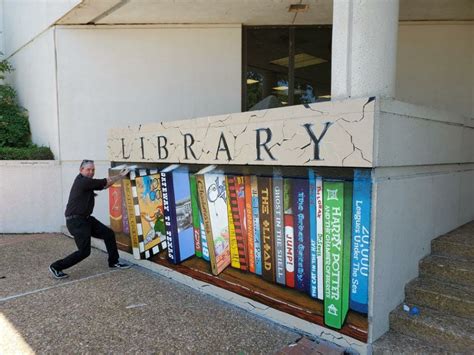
(124, 172)
(113, 179)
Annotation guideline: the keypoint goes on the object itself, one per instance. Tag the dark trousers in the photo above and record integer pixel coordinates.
(82, 229)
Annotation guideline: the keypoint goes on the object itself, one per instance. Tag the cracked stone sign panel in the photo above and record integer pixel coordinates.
(338, 133)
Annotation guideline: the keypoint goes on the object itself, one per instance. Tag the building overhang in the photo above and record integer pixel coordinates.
(246, 12)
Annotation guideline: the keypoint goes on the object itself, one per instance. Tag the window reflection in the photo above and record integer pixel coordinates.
(264, 45)
(312, 64)
(280, 75)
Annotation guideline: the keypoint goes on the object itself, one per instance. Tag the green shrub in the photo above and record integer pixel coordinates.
(5, 67)
(26, 153)
(14, 126)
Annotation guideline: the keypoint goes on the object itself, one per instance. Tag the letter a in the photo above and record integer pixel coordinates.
(225, 147)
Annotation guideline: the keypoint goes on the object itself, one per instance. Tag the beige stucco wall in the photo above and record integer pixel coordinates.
(31, 196)
(435, 65)
(113, 77)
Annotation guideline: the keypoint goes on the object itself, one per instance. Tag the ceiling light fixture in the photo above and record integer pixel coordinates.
(301, 60)
(280, 88)
(298, 8)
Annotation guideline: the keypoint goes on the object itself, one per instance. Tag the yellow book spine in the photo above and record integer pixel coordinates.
(234, 249)
(202, 197)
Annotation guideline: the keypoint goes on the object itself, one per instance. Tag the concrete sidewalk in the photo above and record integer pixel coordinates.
(99, 310)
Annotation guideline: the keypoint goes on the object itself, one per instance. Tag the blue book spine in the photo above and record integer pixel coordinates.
(205, 248)
(312, 234)
(183, 214)
(361, 210)
(256, 225)
(169, 216)
(302, 243)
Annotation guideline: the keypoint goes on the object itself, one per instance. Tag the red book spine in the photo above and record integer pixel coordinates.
(289, 251)
(249, 220)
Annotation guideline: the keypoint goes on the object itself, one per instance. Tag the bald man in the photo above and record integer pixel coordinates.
(82, 225)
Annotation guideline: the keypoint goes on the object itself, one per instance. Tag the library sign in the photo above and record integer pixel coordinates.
(338, 133)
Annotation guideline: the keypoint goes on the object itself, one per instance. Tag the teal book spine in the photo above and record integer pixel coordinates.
(205, 248)
(360, 257)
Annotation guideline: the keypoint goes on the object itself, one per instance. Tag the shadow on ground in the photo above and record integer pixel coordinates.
(98, 310)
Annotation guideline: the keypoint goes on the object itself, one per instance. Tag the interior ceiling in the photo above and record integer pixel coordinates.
(246, 12)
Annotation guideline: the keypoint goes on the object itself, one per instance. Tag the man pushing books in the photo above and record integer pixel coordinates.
(82, 225)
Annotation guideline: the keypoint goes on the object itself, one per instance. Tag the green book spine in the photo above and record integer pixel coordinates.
(346, 269)
(195, 215)
(336, 257)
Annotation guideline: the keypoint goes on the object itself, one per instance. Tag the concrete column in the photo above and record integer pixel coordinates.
(364, 48)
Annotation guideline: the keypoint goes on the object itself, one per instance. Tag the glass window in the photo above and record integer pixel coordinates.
(312, 65)
(285, 66)
(267, 82)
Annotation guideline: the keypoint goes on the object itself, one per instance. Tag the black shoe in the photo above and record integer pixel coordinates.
(120, 266)
(57, 274)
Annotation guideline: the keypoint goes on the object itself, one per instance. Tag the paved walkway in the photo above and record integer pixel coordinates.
(99, 310)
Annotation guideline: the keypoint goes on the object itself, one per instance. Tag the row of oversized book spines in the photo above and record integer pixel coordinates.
(275, 228)
(282, 239)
